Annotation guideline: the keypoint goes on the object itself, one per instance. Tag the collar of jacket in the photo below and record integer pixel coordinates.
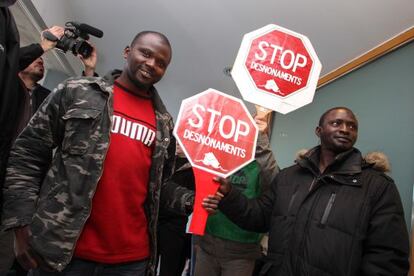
(345, 169)
(106, 84)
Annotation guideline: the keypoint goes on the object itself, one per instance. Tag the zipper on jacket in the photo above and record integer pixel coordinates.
(328, 209)
(314, 181)
(292, 199)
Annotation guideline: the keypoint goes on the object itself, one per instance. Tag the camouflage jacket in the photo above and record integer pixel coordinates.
(53, 194)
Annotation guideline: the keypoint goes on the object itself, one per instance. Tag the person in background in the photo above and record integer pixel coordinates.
(331, 213)
(174, 242)
(34, 72)
(226, 249)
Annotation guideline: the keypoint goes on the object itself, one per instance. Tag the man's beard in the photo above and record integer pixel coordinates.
(36, 76)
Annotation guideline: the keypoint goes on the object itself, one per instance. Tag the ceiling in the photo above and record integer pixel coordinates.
(206, 35)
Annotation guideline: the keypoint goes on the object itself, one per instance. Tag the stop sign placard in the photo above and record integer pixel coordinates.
(276, 68)
(216, 132)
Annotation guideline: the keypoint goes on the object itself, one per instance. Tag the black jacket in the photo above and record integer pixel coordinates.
(39, 94)
(182, 180)
(12, 91)
(350, 223)
(10, 100)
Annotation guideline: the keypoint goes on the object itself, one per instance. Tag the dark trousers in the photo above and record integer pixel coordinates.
(174, 250)
(208, 265)
(78, 267)
(6, 252)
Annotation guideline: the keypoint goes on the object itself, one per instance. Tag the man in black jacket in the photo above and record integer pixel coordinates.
(9, 99)
(329, 214)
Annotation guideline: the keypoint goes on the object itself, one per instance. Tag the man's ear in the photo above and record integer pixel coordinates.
(127, 49)
(318, 130)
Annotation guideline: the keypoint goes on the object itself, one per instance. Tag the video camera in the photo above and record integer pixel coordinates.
(75, 37)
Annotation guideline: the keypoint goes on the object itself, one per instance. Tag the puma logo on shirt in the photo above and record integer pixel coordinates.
(133, 130)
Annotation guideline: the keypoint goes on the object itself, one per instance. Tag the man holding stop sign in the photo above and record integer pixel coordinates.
(331, 213)
(218, 135)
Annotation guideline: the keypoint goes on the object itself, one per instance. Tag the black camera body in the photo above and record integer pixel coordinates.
(74, 38)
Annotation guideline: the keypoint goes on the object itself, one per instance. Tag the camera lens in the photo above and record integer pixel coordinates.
(83, 48)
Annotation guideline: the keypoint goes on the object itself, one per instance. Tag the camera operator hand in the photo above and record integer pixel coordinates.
(47, 44)
(89, 63)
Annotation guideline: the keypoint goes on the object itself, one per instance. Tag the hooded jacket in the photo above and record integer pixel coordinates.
(54, 196)
(346, 221)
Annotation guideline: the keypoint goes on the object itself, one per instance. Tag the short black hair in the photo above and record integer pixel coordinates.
(143, 33)
(322, 118)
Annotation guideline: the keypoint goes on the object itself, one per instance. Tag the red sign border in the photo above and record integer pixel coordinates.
(264, 98)
(230, 172)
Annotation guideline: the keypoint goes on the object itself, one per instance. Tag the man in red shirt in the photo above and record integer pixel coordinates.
(93, 208)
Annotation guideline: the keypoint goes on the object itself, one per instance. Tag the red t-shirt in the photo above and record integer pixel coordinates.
(116, 230)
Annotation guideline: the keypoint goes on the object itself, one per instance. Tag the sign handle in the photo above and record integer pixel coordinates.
(205, 185)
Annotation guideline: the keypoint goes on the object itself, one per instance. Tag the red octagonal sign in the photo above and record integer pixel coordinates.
(216, 132)
(276, 68)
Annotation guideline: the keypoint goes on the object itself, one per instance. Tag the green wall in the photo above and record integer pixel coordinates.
(382, 96)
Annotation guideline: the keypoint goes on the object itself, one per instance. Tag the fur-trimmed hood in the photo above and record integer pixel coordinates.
(377, 159)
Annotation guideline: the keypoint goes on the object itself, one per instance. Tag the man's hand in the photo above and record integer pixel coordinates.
(22, 249)
(225, 186)
(89, 63)
(46, 44)
(261, 123)
(262, 117)
(211, 202)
